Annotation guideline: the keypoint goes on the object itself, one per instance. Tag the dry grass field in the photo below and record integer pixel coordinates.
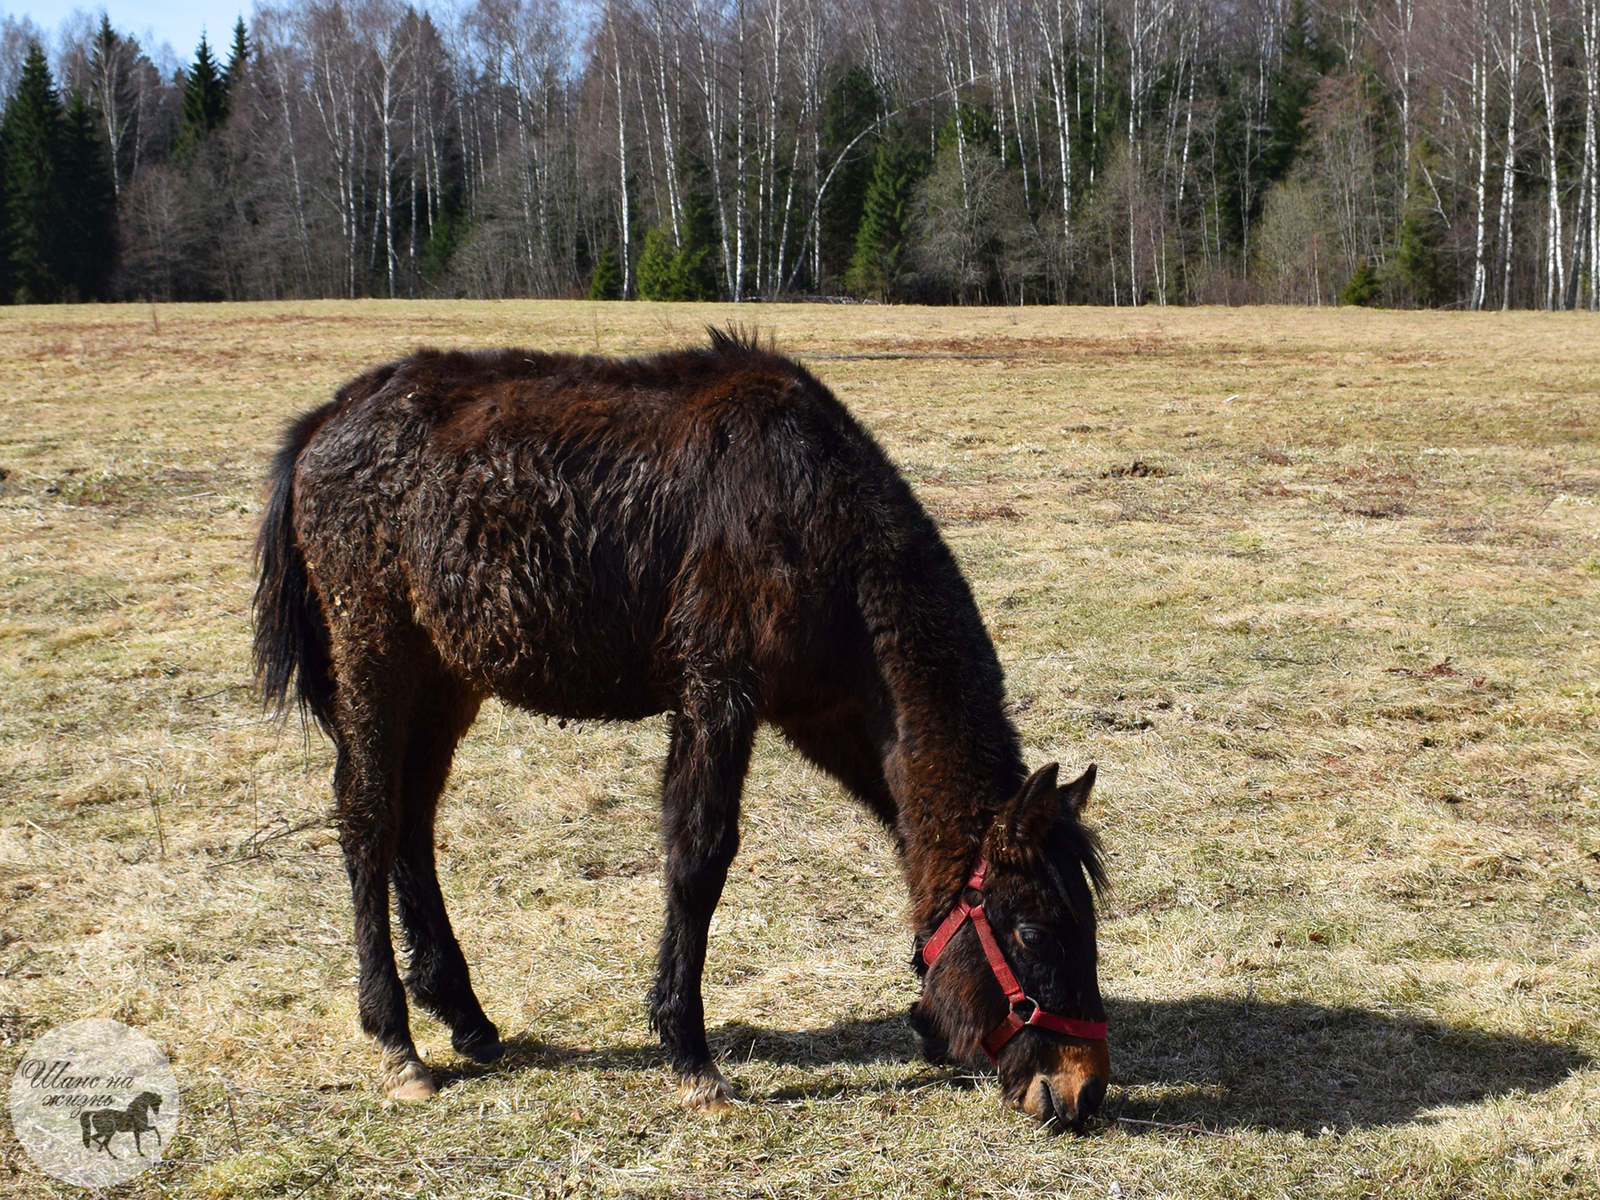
(1317, 589)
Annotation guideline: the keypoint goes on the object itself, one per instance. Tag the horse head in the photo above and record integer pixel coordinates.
(1021, 983)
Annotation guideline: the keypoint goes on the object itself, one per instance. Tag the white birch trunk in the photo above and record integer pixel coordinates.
(711, 93)
(1588, 223)
(1555, 265)
(736, 280)
(950, 52)
(1480, 97)
(1055, 58)
(669, 148)
(1512, 61)
(768, 286)
(622, 157)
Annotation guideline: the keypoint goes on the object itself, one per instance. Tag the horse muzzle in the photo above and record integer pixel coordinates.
(1068, 1086)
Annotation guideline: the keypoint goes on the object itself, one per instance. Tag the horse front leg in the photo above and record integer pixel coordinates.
(706, 763)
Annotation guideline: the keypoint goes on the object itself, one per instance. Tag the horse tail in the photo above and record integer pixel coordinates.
(291, 640)
(83, 1124)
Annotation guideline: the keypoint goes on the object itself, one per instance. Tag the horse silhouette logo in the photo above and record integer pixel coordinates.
(83, 1091)
(106, 1123)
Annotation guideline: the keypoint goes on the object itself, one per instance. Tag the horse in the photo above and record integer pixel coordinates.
(108, 1122)
(705, 533)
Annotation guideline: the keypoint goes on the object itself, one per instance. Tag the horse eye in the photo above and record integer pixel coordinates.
(1031, 936)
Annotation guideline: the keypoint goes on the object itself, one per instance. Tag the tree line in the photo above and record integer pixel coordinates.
(1397, 152)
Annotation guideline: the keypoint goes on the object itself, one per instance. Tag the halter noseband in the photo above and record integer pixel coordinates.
(1094, 1031)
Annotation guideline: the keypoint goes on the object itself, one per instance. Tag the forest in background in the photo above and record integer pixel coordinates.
(1397, 152)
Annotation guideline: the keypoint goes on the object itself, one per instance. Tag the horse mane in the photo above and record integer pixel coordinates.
(736, 340)
(1071, 841)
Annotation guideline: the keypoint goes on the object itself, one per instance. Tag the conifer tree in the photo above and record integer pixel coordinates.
(1305, 61)
(850, 106)
(32, 133)
(238, 59)
(205, 97)
(658, 266)
(875, 267)
(88, 219)
(686, 272)
(607, 281)
(1364, 288)
(1422, 261)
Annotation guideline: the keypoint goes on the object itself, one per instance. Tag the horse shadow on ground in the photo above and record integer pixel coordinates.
(1232, 1063)
(1219, 1063)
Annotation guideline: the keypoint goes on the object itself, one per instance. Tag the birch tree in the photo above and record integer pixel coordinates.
(1509, 46)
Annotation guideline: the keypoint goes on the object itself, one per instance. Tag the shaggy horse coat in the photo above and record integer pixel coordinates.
(706, 533)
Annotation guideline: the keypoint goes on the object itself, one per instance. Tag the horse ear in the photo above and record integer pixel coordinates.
(1074, 796)
(1034, 810)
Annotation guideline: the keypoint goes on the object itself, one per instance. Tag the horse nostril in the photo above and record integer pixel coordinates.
(1090, 1097)
(1047, 1102)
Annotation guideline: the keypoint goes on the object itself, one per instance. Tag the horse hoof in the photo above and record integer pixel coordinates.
(409, 1080)
(484, 1048)
(708, 1092)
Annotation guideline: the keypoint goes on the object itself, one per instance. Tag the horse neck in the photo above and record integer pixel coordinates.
(954, 758)
(955, 761)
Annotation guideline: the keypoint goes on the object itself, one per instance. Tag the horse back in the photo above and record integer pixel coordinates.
(586, 536)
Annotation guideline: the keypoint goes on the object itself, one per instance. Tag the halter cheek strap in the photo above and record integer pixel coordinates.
(1094, 1031)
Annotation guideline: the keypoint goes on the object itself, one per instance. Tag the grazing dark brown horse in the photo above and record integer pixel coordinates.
(706, 533)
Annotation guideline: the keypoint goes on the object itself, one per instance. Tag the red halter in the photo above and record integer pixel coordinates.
(1094, 1031)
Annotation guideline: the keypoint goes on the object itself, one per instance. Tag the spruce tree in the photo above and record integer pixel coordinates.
(880, 238)
(238, 59)
(697, 268)
(7, 288)
(850, 106)
(32, 133)
(1306, 59)
(1423, 265)
(205, 98)
(1364, 288)
(89, 206)
(686, 272)
(658, 266)
(607, 281)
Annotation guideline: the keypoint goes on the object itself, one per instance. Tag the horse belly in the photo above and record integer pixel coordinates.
(547, 624)
(592, 680)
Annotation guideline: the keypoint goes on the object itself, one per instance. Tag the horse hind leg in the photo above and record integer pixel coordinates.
(365, 779)
(706, 763)
(437, 978)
